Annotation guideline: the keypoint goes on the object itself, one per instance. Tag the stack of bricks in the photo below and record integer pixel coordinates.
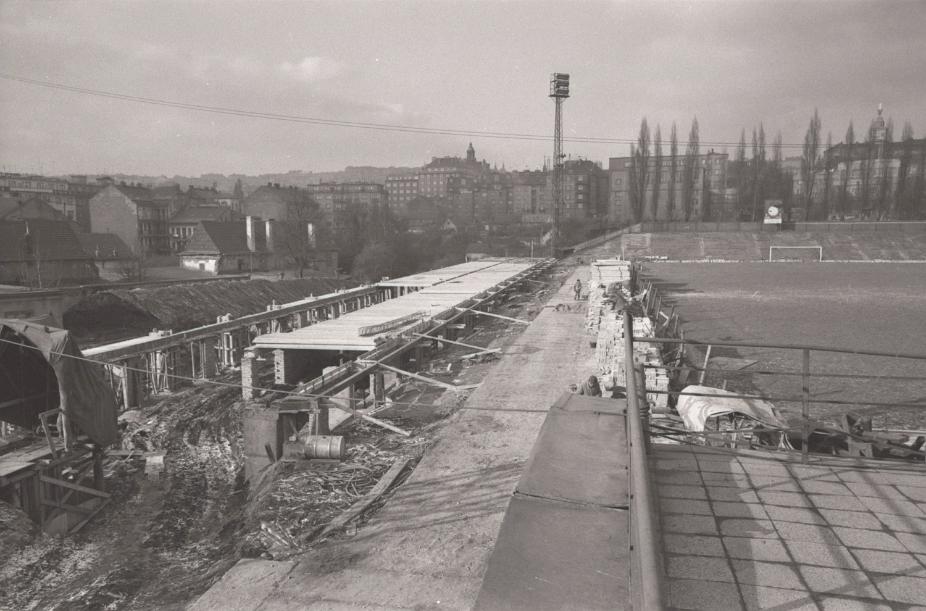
(602, 274)
(610, 356)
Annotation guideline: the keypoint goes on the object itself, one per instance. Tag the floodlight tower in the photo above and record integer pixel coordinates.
(559, 91)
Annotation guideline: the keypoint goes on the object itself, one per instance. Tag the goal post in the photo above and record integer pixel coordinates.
(795, 253)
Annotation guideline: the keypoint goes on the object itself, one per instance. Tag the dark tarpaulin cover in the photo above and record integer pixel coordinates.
(85, 397)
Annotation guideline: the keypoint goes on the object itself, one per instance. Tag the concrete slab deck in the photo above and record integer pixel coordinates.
(429, 545)
(741, 531)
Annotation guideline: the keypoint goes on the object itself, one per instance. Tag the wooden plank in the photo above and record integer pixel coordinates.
(493, 315)
(66, 507)
(89, 517)
(377, 491)
(64, 484)
(419, 377)
(451, 341)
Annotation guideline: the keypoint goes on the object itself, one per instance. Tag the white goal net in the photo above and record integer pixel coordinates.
(795, 253)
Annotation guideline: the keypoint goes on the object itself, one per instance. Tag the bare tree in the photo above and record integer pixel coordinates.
(691, 171)
(657, 172)
(639, 170)
(809, 161)
(673, 173)
(828, 170)
(884, 171)
(740, 168)
(844, 192)
(867, 170)
(903, 199)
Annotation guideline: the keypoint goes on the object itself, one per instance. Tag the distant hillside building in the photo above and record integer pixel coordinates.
(184, 223)
(253, 244)
(709, 178)
(135, 214)
(401, 190)
(272, 201)
(336, 199)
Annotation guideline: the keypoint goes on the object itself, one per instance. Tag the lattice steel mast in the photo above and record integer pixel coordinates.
(559, 91)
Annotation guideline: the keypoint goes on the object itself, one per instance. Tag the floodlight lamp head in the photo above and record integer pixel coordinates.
(559, 85)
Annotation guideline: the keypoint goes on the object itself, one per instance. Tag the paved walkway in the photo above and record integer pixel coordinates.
(429, 545)
(746, 531)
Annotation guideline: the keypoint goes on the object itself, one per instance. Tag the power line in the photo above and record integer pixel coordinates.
(410, 129)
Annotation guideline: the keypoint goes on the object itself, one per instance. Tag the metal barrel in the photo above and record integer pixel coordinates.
(325, 446)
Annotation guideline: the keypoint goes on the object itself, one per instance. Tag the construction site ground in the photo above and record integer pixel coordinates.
(168, 536)
(428, 546)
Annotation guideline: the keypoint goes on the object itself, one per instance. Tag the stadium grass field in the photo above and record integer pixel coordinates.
(862, 306)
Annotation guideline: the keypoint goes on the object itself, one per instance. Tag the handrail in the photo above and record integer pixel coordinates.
(642, 510)
(728, 344)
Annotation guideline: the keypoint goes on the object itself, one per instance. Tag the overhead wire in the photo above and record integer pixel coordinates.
(390, 127)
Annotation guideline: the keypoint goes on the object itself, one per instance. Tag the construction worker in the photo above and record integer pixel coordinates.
(590, 387)
(577, 289)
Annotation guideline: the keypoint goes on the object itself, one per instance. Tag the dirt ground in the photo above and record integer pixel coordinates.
(163, 541)
(860, 306)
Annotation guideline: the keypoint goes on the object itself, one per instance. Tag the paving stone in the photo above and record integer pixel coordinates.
(889, 562)
(830, 501)
(682, 478)
(761, 597)
(719, 493)
(737, 527)
(893, 506)
(913, 542)
(913, 492)
(703, 595)
(717, 466)
(868, 539)
(786, 499)
(902, 589)
(859, 475)
(821, 555)
(730, 480)
(686, 506)
(794, 514)
(803, 472)
(831, 603)
(692, 544)
(853, 519)
(693, 525)
(905, 479)
(838, 581)
(907, 524)
(792, 531)
(677, 464)
(756, 549)
(699, 567)
(682, 492)
(738, 510)
(775, 484)
(766, 468)
(817, 487)
(875, 490)
(771, 574)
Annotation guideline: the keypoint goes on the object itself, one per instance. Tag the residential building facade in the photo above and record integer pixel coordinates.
(134, 214)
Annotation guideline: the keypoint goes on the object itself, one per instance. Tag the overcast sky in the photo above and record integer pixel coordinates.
(475, 66)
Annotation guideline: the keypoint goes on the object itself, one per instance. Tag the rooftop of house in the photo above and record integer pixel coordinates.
(39, 239)
(195, 214)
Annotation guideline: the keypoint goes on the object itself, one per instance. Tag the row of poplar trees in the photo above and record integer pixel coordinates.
(684, 169)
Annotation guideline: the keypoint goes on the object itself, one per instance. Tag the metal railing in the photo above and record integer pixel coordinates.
(646, 560)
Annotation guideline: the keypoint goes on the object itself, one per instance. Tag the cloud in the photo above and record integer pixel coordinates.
(313, 68)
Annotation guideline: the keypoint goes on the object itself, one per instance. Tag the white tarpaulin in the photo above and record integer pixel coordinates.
(696, 410)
